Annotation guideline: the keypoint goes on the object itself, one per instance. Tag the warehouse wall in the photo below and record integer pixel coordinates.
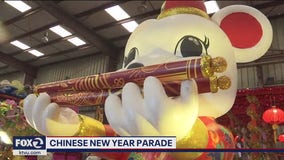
(273, 74)
(13, 76)
(72, 69)
(278, 34)
(247, 77)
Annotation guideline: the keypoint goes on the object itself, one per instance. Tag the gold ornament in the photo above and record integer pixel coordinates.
(218, 64)
(182, 10)
(194, 140)
(224, 82)
(90, 127)
(206, 66)
(213, 84)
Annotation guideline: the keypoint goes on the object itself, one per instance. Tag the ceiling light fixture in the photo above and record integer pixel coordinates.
(77, 41)
(19, 5)
(36, 53)
(60, 31)
(130, 26)
(117, 12)
(211, 6)
(20, 45)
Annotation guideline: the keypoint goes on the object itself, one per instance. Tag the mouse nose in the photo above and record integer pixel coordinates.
(135, 65)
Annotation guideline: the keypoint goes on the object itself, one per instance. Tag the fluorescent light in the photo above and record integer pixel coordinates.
(5, 138)
(130, 26)
(20, 45)
(60, 31)
(19, 5)
(36, 53)
(211, 6)
(24, 46)
(77, 41)
(117, 12)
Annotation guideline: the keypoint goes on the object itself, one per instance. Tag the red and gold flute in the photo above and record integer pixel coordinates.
(201, 67)
(94, 98)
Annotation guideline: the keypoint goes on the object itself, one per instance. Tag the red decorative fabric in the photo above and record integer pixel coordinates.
(243, 29)
(112, 155)
(74, 156)
(59, 156)
(196, 4)
(266, 96)
(67, 156)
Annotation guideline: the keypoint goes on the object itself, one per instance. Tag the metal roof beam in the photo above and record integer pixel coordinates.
(22, 16)
(15, 63)
(97, 9)
(268, 4)
(60, 53)
(46, 27)
(136, 17)
(42, 45)
(76, 26)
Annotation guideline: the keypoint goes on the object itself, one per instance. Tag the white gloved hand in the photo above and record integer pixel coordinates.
(154, 114)
(48, 118)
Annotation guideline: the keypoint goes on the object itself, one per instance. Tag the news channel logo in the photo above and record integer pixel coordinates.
(29, 143)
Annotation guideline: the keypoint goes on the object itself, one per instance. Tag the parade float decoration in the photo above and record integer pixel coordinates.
(14, 90)
(12, 123)
(179, 75)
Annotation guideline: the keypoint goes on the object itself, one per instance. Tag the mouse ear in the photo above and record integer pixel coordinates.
(249, 31)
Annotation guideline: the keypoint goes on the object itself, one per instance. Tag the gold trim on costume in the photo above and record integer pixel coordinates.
(90, 127)
(182, 10)
(193, 140)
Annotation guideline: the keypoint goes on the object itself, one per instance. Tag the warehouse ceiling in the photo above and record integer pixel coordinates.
(86, 20)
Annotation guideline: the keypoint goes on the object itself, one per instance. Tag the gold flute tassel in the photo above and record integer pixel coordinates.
(218, 64)
(274, 127)
(211, 65)
(222, 82)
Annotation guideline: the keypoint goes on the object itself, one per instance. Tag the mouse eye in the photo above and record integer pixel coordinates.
(189, 46)
(131, 56)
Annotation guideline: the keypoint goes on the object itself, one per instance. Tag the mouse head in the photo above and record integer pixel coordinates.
(183, 30)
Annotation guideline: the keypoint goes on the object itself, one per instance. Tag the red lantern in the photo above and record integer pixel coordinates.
(281, 138)
(273, 116)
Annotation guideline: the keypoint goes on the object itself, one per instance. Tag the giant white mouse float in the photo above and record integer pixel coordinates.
(183, 30)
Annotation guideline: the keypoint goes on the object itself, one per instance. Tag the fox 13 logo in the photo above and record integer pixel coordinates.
(29, 143)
